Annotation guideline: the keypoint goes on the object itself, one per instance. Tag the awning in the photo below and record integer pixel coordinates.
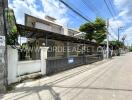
(31, 32)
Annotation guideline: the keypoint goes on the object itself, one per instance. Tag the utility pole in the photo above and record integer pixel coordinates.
(3, 49)
(118, 34)
(107, 26)
(119, 28)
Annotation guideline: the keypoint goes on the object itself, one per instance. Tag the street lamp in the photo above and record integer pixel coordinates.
(123, 38)
(120, 28)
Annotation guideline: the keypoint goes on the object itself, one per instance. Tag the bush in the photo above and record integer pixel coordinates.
(130, 49)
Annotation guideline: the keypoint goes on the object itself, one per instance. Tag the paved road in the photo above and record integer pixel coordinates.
(111, 80)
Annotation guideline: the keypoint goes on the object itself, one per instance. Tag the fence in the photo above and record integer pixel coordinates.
(44, 66)
(55, 65)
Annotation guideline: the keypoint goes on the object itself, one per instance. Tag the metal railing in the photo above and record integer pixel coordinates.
(55, 65)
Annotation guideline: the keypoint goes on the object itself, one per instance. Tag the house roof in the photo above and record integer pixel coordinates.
(31, 32)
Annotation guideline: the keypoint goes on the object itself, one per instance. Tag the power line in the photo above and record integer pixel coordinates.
(110, 10)
(113, 9)
(112, 6)
(112, 31)
(75, 11)
(67, 12)
(95, 10)
(78, 11)
(92, 8)
(112, 36)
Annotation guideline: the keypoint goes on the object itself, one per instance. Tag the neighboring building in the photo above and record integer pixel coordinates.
(48, 24)
(80, 35)
(72, 32)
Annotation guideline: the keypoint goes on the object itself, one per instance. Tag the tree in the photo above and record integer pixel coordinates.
(95, 30)
(88, 28)
(117, 44)
(100, 30)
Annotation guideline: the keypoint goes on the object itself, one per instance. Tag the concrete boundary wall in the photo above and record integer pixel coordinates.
(16, 68)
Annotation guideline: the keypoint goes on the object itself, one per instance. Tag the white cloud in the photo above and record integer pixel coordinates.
(116, 23)
(21, 7)
(128, 32)
(125, 8)
(57, 10)
(112, 36)
(121, 4)
(124, 18)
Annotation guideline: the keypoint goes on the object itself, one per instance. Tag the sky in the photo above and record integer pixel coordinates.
(121, 11)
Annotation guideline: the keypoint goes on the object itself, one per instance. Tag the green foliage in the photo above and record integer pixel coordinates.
(99, 37)
(100, 30)
(130, 49)
(12, 29)
(11, 39)
(95, 30)
(88, 28)
(117, 43)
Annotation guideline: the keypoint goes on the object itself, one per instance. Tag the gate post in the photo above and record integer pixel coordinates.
(12, 64)
(44, 51)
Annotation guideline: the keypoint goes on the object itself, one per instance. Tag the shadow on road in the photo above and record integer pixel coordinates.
(26, 91)
(95, 88)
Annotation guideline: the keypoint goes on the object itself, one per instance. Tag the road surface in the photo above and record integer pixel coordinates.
(107, 80)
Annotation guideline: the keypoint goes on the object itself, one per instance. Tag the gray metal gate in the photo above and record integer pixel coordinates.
(2, 69)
